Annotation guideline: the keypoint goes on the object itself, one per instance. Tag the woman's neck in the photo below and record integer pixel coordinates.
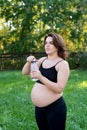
(52, 57)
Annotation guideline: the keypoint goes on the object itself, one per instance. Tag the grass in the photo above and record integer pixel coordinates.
(17, 110)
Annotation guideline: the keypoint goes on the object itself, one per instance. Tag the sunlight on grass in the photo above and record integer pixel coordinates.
(83, 84)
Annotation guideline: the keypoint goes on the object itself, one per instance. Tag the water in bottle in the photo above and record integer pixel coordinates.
(34, 67)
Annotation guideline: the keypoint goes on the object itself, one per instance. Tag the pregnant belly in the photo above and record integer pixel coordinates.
(41, 96)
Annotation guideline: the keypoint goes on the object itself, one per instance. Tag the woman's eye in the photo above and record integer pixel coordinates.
(51, 42)
(48, 43)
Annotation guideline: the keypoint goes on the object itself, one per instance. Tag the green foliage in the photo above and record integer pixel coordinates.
(73, 60)
(28, 22)
(17, 61)
(83, 60)
(17, 110)
(12, 64)
(78, 60)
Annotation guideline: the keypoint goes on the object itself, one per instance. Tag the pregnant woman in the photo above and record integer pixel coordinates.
(47, 92)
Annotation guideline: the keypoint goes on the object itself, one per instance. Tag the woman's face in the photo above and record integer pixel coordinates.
(49, 46)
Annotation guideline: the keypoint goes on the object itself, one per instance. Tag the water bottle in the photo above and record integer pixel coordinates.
(34, 67)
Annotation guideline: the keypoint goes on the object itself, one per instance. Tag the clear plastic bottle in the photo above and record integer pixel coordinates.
(34, 67)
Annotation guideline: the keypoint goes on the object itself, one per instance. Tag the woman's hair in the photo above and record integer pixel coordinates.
(59, 43)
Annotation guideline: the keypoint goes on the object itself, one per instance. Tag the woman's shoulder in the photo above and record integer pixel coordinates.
(62, 64)
(41, 60)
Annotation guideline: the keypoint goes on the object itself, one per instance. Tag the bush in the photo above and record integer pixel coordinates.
(75, 59)
(83, 60)
(13, 64)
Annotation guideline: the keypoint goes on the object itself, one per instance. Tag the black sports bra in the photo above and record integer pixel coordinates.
(49, 73)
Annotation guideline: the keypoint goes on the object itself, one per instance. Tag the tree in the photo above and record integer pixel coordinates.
(28, 21)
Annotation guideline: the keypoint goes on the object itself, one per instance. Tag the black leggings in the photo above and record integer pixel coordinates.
(52, 117)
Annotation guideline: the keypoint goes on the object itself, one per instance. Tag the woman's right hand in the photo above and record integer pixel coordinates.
(26, 68)
(30, 58)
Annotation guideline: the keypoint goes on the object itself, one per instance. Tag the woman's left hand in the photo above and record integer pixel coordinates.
(35, 74)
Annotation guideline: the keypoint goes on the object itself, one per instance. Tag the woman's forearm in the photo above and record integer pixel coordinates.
(55, 87)
(26, 68)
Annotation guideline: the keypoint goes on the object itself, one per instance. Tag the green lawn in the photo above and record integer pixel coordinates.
(17, 110)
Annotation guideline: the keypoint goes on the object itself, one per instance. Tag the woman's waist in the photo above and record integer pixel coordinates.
(38, 81)
(58, 103)
(42, 96)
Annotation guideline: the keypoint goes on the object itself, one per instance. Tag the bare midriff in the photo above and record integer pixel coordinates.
(41, 96)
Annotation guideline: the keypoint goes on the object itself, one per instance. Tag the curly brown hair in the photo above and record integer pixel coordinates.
(59, 43)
